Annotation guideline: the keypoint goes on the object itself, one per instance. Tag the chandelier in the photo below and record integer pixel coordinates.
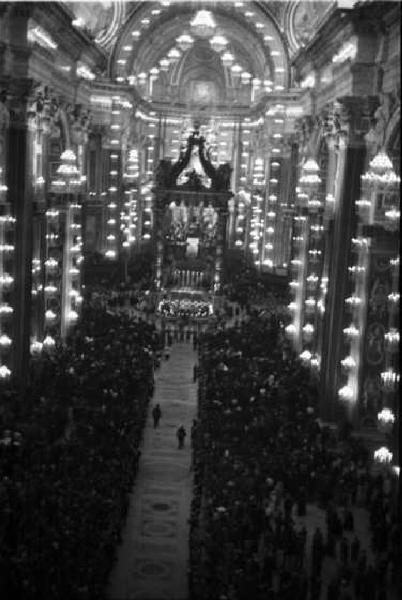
(132, 168)
(203, 25)
(386, 416)
(68, 179)
(227, 59)
(346, 393)
(218, 43)
(185, 41)
(381, 174)
(4, 371)
(390, 379)
(310, 180)
(383, 455)
(305, 355)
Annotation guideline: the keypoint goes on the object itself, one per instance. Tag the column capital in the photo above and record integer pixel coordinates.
(17, 98)
(352, 117)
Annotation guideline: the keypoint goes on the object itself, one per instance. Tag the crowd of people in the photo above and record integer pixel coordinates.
(68, 458)
(70, 444)
(185, 308)
(260, 455)
(248, 287)
(119, 297)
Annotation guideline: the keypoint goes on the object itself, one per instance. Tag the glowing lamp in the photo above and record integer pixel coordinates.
(218, 43)
(306, 355)
(390, 378)
(308, 329)
(164, 64)
(185, 41)
(351, 331)
(348, 362)
(203, 25)
(227, 59)
(315, 361)
(383, 455)
(392, 337)
(346, 393)
(36, 347)
(4, 372)
(5, 341)
(386, 416)
(236, 69)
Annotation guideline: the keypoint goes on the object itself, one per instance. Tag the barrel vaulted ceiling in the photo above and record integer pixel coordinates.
(261, 37)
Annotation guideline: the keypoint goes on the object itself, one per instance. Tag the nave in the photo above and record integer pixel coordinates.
(152, 560)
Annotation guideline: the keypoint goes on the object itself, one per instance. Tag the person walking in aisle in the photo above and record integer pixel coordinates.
(156, 414)
(181, 434)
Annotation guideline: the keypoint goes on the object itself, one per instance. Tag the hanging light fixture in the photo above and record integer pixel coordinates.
(386, 416)
(306, 355)
(68, 179)
(4, 372)
(236, 69)
(346, 393)
(185, 41)
(348, 362)
(310, 179)
(227, 59)
(174, 54)
(381, 173)
(203, 25)
(390, 379)
(383, 455)
(132, 168)
(218, 43)
(164, 64)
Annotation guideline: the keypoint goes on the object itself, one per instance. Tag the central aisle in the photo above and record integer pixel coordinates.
(152, 560)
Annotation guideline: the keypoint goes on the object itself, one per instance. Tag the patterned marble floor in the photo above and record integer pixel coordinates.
(153, 557)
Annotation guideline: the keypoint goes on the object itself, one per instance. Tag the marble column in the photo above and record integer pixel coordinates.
(20, 196)
(350, 167)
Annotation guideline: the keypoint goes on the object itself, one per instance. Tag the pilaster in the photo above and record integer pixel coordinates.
(351, 120)
(20, 195)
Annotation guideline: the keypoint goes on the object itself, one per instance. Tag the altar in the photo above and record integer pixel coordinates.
(190, 207)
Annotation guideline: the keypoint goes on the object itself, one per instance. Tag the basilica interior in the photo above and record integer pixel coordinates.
(199, 233)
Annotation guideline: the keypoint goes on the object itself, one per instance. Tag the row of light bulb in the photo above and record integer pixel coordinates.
(111, 235)
(74, 297)
(7, 222)
(218, 42)
(131, 216)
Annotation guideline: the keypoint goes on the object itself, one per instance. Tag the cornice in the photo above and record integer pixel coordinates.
(339, 24)
(57, 20)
